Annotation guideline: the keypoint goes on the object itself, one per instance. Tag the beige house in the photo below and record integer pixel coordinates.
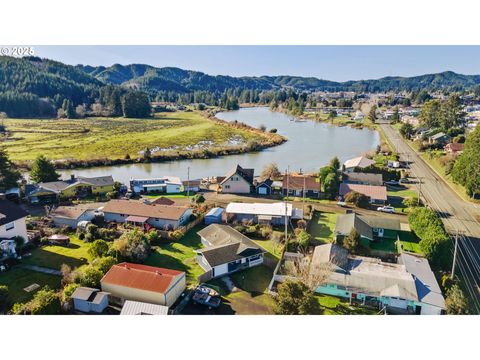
(238, 181)
(150, 284)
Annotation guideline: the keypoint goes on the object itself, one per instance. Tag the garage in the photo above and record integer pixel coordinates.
(398, 303)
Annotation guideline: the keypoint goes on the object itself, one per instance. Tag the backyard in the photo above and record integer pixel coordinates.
(53, 256)
(19, 278)
(179, 255)
(115, 138)
(330, 305)
(408, 242)
(396, 195)
(322, 226)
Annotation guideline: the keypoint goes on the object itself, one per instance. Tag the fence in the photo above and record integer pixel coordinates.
(206, 276)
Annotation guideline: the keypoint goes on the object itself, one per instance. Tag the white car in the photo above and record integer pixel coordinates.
(386, 209)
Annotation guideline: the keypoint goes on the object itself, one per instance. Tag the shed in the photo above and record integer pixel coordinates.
(87, 299)
(214, 216)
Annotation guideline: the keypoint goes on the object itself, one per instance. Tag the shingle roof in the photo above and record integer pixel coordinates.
(330, 253)
(163, 201)
(373, 192)
(138, 208)
(10, 211)
(59, 186)
(365, 178)
(74, 212)
(227, 245)
(91, 295)
(364, 224)
(296, 182)
(142, 277)
(247, 174)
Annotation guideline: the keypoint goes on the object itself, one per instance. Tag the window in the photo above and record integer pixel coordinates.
(227, 186)
(10, 226)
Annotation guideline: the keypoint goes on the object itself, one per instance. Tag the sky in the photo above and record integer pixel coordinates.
(336, 63)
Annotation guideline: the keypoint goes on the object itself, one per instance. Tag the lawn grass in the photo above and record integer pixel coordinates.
(170, 196)
(18, 278)
(387, 245)
(179, 255)
(53, 256)
(396, 195)
(272, 248)
(113, 138)
(331, 305)
(409, 243)
(322, 226)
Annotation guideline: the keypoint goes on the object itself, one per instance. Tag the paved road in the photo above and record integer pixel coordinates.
(457, 214)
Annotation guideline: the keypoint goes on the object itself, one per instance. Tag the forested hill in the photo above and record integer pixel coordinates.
(32, 86)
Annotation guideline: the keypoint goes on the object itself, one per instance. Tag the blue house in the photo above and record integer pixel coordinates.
(214, 216)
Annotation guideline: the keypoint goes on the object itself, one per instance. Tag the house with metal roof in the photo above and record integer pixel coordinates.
(408, 286)
(165, 185)
(150, 284)
(265, 213)
(142, 308)
(227, 250)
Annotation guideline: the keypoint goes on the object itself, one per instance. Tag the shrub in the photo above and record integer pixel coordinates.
(252, 229)
(240, 228)
(456, 302)
(358, 199)
(3, 296)
(104, 264)
(303, 239)
(351, 242)
(266, 232)
(98, 248)
(44, 302)
(68, 291)
(411, 202)
(301, 224)
(176, 235)
(132, 246)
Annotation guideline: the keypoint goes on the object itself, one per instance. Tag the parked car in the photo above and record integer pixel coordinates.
(392, 182)
(386, 209)
(405, 181)
(206, 296)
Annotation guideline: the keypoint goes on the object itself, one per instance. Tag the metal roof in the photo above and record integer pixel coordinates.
(142, 308)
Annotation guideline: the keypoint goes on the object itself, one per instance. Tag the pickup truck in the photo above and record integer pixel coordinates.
(203, 295)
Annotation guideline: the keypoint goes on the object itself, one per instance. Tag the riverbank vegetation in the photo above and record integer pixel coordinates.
(107, 141)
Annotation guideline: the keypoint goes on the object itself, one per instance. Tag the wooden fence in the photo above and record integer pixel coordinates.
(206, 276)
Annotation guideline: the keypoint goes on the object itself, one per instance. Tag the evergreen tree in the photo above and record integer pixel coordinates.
(466, 170)
(135, 104)
(9, 175)
(43, 170)
(69, 110)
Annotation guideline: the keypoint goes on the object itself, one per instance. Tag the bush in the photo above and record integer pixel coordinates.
(3, 296)
(252, 229)
(44, 302)
(104, 264)
(199, 198)
(456, 302)
(88, 276)
(266, 232)
(360, 200)
(295, 298)
(132, 246)
(98, 248)
(303, 239)
(240, 228)
(68, 292)
(301, 224)
(176, 235)
(352, 241)
(411, 202)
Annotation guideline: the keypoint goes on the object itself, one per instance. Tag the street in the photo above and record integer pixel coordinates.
(459, 216)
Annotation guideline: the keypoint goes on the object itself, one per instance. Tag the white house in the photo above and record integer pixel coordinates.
(238, 181)
(271, 213)
(358, 162)
(87, 300)
(227, 250)
(12, 220)
(165, 184)
(72, 215)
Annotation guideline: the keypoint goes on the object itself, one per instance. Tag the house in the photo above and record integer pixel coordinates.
(227, 250)
(360, 162)
(269, 187)
(71, 215)
(237, 181)
(214, 216)
(358, 116)
(87, 300)
(80, 186)
(165, 185)
(146, 215)
(150, 284)
(439, 139)
(301, 185)
(192, 186)
(265, 213)
(454, 148)
(363, 178)
(372, 228)
(143, 308)
(408, 286)
(376, 194)
(12, 221)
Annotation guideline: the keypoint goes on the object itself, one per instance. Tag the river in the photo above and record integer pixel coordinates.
(310, 145)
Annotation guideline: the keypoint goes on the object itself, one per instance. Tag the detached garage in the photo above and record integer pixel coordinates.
(214, 216)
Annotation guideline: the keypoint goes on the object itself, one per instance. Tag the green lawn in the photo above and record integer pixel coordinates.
(409, 243)
(322, 226)
(396, 195)
(179, 255)
(331, 305)
(53, 256)
(114, 138)
(17, 279)
(387, 245)
(170, 196)
(271, 247)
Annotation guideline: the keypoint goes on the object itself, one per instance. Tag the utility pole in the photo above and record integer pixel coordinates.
(286, 209)
(455, 255)
(188, 182)
(303, 193)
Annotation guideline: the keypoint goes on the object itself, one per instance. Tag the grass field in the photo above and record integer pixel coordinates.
(322, 226)
(408, 242)
(179, 255)
(53, 256)
(387, 245)
(331, 305)
(113, 138)
(17, 279)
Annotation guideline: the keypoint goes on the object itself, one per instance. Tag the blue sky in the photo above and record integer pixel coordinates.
(338, 63)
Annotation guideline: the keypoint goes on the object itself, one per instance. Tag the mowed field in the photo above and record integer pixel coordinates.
(113, 138)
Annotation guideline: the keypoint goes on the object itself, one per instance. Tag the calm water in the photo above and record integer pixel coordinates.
(310, 145)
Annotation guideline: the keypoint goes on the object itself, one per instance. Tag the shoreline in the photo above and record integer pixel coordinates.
(268, 140)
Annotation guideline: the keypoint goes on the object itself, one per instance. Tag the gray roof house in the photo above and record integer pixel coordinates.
(227, 250)
(406, 287)
(87, 299)
(369, 227)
